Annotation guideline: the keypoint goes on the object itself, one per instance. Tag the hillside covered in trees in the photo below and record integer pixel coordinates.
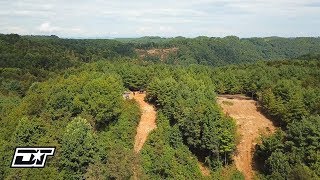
(50, 52)
(216, 51)
(68, 94)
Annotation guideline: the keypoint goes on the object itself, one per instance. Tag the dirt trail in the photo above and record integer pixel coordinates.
(250, 124)
(147, 122)
(204, 169)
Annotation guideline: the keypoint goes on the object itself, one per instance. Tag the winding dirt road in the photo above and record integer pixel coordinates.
(147, 122)
(250, 124)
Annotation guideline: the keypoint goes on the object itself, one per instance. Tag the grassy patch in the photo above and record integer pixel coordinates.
(227, 103)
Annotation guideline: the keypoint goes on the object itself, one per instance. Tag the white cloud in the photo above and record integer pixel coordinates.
(162, 17)
(46, 27)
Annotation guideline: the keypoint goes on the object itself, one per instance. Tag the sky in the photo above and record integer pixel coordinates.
(165, 18)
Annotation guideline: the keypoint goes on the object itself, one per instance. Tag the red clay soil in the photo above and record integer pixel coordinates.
(250, 124)
(147, 122)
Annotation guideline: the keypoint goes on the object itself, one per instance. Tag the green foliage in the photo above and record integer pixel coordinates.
(283, 155)
(160, 160)
(237, 176)
(278, 162)
(283, 88)
(93, 94)
(217, 51)
(50, 173)
(16, 81)
(269, 145)
(50, 53)
(28, 132)
(288, 93)
(77, 148)
(53, 53)
(162, 92)
(134, 77)
(5, 157)
(190, 105)
(7, 103)
(120, 162)
(115, 147)
(47, 84)
(303, 140)
(301, 172)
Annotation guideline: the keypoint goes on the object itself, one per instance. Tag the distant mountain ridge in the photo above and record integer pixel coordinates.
(48, 51)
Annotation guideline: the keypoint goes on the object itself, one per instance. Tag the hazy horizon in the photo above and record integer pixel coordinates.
(151, 36)
(125, 19)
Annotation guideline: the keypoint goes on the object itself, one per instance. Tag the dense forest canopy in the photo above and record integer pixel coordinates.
(68, 94)
(229, 50)
(52, 52)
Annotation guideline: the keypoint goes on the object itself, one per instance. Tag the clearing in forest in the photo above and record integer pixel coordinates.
(161, 53)
(250, 124)
(147, 122)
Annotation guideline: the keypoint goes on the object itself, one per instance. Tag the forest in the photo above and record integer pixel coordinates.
(67, 93)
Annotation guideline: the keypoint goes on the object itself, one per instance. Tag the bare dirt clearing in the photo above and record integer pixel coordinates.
(147, 122)
(161, 53)
(250, 124)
